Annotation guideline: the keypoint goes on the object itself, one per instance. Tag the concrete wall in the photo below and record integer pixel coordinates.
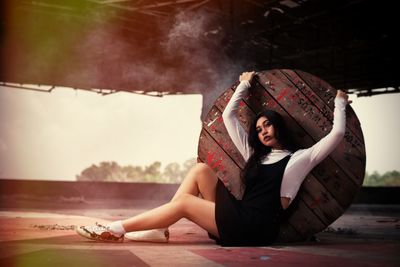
(147, 191)
(87, 190)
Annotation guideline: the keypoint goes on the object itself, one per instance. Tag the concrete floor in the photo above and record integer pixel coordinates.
(43, 235)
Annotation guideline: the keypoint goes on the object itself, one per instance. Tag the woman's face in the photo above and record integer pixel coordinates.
(266, 133)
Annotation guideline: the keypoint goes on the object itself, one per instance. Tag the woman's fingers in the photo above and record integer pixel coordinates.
(343, 95)
(247, 76)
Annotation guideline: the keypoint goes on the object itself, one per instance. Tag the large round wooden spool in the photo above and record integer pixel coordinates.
(306, 102)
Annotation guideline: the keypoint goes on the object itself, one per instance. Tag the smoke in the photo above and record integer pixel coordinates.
(197, 40)
(187, 31)
(187, 55)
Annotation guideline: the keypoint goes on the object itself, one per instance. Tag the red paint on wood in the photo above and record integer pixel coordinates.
(212, 128)
(315, 203)
(215, 161)
(282, 94)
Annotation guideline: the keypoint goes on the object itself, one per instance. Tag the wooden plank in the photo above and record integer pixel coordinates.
(226, 169)
(327, 93)
(312, 90)
(215, 127)
(224, 98)
(320, 201)
(333, 178)
(305, 222)
(245, 115)
(288, 234)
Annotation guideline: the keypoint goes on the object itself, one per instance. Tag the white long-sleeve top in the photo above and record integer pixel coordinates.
(302, 161)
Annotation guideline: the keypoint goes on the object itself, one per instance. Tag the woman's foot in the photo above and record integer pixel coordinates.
(154, 235)
(99, 232)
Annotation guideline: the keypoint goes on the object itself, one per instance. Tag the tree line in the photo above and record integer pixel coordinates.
(175, 173)
(112, 172)
(390, 178)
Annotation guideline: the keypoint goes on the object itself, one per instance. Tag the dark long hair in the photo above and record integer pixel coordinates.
(282, 134)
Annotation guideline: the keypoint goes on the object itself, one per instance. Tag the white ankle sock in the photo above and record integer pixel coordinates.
(117, 228)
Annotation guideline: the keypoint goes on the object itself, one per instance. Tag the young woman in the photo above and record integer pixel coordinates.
(272, 176)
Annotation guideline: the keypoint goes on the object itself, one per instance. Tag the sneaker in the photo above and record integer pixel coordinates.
(154, 235)
(100, 233)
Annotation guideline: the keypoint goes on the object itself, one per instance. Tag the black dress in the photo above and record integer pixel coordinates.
(254, 220)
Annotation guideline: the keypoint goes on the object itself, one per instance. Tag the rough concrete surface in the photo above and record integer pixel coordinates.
(40, 232)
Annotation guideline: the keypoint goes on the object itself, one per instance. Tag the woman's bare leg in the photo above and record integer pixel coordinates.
(201, 179)
(197, 210)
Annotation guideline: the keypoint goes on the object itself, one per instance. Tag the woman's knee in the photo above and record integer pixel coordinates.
(183, 201)
(199, 211)
(201, 168)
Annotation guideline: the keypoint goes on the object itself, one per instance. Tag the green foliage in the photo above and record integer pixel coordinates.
(112, 172)
(175, 173)
(390, 178)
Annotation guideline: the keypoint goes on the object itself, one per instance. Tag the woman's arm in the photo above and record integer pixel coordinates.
(326, 145)
(235, 130)
(303, 161)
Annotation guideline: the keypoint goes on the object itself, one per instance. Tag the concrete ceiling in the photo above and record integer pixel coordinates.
(197, 46)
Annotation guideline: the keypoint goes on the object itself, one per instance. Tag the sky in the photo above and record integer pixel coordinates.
(57, 135)
(379, 118)
(54, 136)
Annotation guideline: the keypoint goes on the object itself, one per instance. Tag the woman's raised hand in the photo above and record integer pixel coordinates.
(343, 95)
(247, 76)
